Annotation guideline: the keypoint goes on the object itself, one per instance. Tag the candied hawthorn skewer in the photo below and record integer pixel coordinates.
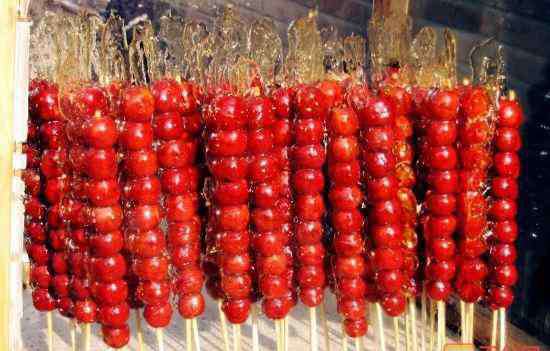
(384, 209)
(267, 218)
(176, 129)
(42, 102)
(108, 266)
(475, 134)
(503, 210)
(55, 170)
(282, 138)
(145, 240)
(345, 197)
(441, 162)
(308, 183)
(226, 153)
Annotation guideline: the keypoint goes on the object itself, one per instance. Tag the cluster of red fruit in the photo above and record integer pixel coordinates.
(107, 164)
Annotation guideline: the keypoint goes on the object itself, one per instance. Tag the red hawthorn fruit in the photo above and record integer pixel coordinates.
(510, 114)
(116, 337)
(138, 104)
(191, 305)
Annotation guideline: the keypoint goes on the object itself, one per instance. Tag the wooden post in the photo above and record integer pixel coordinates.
(8, 16)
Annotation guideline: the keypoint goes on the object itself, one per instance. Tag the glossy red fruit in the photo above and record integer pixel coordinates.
(475, 132)
(152, 268)
(229, 168)
(110, 294)
(232, 218)
(473, 269)
(506, 231)
(281, 99)
(311, 254)
(85, 311)
(114, 316)
(143, 190)
(147, 243)
(352, 308)
(158, 316)
(238, 286)
(168, 126)
(167, 95)
(389, 235)
(475, 102)
(275, 264)
(138, 104)
(379, 112)
(501, 297)
(46, 103)
(387, 259)
(343, 121)
(441, 270)
(273, 286)
(308, 232)
(136, 135)
(179, 180)
(100, 132)
(308, 181)
(347, 221)
(107, 244)
(103, 192)
(312, 297)
(507, 164)
(510, 114)
(101, 163)
(355, 328)
(439, 290)
(107, 219)
(508, 139)
(505, 275)
(276, 308)
(226, 112)
(190, 280)
(442, 158)
(311, 276)
(444, 104)
(505, 187)
(236, 311)
(503, 209)
(116, 337)
(349, 244)
(441, 133)
(442, 248)
(352, 287)
(470, 292)
(332, 91)
(191, 305)
(308, 131)
(443, 182)
(310, 102)
(109, 269)
(390, 281)
(393, 304)
(40, 276)
(38, 253)
(379, 164)
(503, 254)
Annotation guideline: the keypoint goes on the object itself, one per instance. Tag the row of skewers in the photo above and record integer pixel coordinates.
(138, 196)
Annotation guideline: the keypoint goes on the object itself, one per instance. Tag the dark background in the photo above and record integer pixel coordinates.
(522, 26)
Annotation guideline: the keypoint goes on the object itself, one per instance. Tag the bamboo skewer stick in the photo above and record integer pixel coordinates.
(424, 319)
(471, 324)
(188, 335)
(195, 325)
(278, 335)
(357, 343)
(72, 326)
(397, 337)
(463, 336)
(412, 309)
(139, 331)
(160, 339)
(344, 339)
(380, 324)
(502, 338)
(432, 325)
(255, 340)
(236, 337)
(325, 326)
(407, 332)
(223, 324)
(285, 324)
(49, 323)
(494, 329)
(441, 332)
(313, 329)
(87, 336)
